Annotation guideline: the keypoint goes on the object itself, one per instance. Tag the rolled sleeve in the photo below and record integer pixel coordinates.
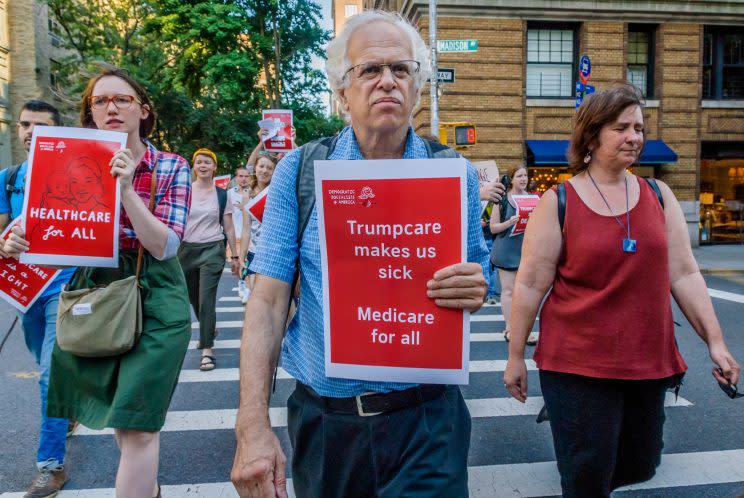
(173, 208)
(477, 250)
(277, 250)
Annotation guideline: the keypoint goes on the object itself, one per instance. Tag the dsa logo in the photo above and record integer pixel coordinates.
(60, 147)
(366, 196)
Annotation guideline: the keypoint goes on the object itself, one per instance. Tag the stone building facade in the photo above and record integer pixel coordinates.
(518, 88)
(25, 59)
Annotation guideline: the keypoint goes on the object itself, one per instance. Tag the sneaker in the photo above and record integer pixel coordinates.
(246, 295)
(491, 300)
(71, 426)
(241, 289)
(47, 483)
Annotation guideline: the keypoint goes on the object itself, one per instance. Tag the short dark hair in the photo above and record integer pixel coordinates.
(41, 106)
(598, 110)
(86, 118)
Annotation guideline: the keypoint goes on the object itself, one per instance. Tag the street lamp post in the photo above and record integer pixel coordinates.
(434, 74)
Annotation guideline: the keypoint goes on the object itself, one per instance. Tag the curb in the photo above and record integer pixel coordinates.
(722, 271)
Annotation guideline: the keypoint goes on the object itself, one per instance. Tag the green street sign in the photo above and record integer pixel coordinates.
(457, 45)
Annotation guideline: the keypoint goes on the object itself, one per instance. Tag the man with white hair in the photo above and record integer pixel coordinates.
(351, 438)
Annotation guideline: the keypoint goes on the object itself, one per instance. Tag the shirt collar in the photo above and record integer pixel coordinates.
(414, 146)
(150, 156)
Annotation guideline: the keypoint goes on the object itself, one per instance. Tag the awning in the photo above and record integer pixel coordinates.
(554, 152)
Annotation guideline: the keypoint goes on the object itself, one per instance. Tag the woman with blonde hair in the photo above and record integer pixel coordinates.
(259, 180)
(202, 252)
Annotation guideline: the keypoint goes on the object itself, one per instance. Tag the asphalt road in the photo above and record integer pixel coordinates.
(510, 454)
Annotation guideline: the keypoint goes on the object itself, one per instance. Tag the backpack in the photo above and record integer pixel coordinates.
(222, 201)
(561, 193)
(10, 179)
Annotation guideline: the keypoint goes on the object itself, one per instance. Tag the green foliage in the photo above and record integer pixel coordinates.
(209, 66)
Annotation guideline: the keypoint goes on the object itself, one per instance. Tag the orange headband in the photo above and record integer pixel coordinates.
(204, 152)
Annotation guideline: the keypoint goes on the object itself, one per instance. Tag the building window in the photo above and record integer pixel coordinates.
(640, 59)
(723, 64)
(350, 10)
(550, 62)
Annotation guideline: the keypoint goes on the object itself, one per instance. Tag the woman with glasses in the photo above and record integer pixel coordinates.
(131, 392)
(258, 181)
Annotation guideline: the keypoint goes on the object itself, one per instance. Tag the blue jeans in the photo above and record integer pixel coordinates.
(40, 331)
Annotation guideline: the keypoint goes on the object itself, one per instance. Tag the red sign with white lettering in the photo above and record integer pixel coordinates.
(222, 181)
(525, 205)
(382, 241)
(71, 206)
(20, 284)
(257, 205)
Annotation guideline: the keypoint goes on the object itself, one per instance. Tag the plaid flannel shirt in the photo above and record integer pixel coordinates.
(172, 194)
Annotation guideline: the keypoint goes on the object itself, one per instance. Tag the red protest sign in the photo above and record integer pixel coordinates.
(222, 181)
(382, 240)
(21, 284)
(525, 205)
(71, 206)
(280, 130)
(257, 205)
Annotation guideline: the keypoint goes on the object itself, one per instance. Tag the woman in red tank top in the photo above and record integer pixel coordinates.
(607, 352)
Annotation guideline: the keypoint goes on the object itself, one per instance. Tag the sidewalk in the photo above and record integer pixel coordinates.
(720, 259)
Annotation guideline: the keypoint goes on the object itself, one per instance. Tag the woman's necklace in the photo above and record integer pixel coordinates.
(629, 245)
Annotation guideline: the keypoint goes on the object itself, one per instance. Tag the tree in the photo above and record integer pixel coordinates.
(209, 66)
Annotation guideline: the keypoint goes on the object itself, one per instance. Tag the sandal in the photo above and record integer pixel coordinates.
(532, 339)
(506, 335)
(207, 363)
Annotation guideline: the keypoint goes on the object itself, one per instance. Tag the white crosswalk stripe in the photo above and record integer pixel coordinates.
(199, 420)
(519, 480)
(728, 296)
(232, 374)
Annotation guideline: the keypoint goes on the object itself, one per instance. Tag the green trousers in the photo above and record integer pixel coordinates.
(202, 265)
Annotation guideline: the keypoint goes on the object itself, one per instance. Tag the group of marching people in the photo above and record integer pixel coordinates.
(185, 235)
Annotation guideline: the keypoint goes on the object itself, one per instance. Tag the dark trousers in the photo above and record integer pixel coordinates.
(607, 433)
(419, 451)
(202, 265)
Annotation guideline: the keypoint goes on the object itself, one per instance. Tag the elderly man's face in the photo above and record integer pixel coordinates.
(385, 103)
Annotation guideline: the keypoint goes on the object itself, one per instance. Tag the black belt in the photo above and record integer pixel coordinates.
(369, 404)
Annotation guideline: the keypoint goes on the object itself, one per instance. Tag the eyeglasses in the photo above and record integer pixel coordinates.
(369, 71)
(121, 101)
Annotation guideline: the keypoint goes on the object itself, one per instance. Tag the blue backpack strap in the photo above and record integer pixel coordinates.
(656, 189)
(561, 193)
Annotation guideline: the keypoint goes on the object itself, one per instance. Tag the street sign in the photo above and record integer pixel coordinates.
(457, 46)
(585, 68)
(582, 91)
(465, 135)
(446, 75)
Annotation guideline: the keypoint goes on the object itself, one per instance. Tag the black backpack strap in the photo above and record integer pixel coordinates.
(11, 173)
(316, 150)
(561, 193)
(222, 201)
(657, 190)
(436, 150)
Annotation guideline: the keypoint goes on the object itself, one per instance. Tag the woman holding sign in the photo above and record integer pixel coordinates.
(259, 180)
(131, 392)
(202, 252)
(612, 247)
(507, 246)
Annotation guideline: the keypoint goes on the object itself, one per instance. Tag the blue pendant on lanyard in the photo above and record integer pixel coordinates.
(629, 245)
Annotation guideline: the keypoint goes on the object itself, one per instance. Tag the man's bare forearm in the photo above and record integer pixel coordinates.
(265, 316)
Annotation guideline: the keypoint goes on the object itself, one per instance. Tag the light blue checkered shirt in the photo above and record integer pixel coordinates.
(303, 349)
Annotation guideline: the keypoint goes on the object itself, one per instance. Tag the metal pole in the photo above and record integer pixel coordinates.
(434, 73)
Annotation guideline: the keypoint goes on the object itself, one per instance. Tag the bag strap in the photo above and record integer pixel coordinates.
(153, 186)
(10, 178)
(222, 201)
(657, 191)
(561, 193)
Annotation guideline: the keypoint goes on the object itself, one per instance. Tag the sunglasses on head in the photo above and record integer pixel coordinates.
(730, 389)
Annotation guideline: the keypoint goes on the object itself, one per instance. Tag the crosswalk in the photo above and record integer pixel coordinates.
(204, 409)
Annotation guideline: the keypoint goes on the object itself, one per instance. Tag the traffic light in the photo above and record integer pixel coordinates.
(465, 135)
